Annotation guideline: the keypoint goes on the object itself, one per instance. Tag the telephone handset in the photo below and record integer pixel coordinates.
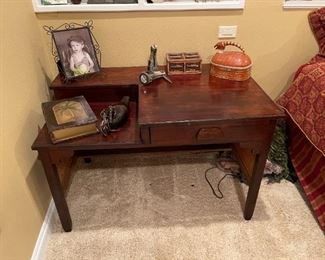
(114, 116)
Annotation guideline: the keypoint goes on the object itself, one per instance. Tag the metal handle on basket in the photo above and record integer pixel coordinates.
(222, 45)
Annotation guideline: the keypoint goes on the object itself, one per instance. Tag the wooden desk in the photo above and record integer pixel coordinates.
(194, 111)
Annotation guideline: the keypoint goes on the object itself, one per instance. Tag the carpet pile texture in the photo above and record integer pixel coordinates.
(159, 206)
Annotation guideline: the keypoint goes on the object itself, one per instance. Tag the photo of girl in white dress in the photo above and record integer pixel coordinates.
(76, 52)
(80, 61)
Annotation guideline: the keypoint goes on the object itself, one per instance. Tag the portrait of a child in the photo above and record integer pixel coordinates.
(76, 51)
(80, 61)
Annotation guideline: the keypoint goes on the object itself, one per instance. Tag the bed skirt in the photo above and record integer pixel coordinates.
(309, 164)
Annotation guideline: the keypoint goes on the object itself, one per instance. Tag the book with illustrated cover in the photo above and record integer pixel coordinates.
(69, 118)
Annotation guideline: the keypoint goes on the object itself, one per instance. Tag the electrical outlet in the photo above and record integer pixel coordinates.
(227, 31)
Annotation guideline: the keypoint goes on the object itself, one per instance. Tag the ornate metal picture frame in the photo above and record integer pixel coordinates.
(75, 49)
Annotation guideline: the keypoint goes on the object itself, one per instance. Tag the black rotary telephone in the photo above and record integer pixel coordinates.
(114, 116)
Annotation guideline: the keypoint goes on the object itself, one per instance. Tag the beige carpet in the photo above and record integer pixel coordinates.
(159, 206)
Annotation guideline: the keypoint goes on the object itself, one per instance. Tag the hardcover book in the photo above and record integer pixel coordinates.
(69, 118)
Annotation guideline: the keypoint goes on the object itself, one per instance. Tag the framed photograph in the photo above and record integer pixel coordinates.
(54, 2)
(76, 51)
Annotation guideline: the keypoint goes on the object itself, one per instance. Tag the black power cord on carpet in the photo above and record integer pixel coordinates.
(237, 176)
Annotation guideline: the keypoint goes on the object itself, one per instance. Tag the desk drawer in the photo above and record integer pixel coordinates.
(208, 133)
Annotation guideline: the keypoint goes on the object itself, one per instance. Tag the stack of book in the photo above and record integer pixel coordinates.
(69, 118)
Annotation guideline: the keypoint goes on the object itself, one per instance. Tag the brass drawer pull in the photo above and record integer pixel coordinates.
(209, 133)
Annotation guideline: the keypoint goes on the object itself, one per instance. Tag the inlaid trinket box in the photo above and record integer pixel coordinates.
(183, 63)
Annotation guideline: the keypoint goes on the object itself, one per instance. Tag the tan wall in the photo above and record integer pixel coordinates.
(24, 194)
(278, 42)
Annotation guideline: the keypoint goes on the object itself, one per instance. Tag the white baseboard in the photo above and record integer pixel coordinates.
(44, 233)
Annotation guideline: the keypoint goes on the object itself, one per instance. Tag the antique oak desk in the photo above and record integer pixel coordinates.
(194, 111)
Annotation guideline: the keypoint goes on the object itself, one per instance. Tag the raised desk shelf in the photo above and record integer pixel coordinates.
(100, 90)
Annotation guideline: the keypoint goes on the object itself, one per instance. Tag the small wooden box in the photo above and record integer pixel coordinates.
(184, 63)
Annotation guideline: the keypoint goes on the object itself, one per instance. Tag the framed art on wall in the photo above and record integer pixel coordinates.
(303, 3)
(54, 2)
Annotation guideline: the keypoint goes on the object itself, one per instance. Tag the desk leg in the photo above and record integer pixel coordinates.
(56, 190)
(254, 185)
(261, 150)
(252, 157)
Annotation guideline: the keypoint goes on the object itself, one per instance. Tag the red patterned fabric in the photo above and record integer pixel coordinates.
(317, 24)
(304, 102)
(309, 164)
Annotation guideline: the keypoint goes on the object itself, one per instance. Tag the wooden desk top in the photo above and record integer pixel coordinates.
(189, 99)
(107, 77)
(202, 98)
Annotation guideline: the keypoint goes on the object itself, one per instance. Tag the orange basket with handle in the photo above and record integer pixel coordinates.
(231, 65)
